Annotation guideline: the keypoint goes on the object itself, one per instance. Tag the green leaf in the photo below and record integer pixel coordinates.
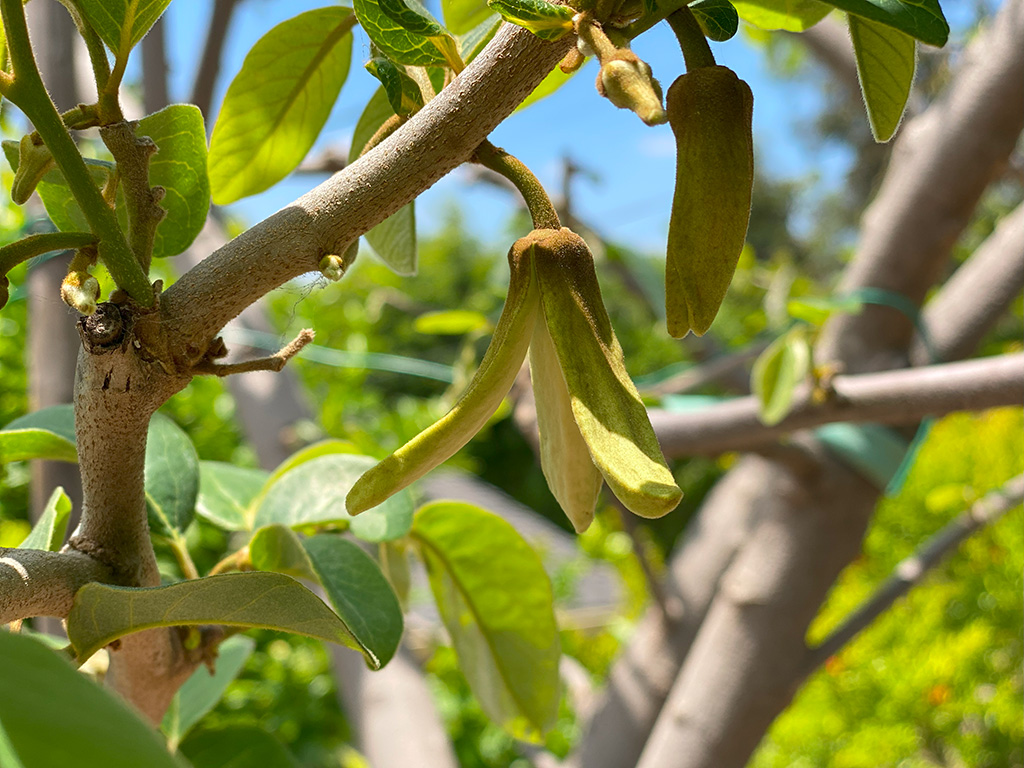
(48, 532)
(279, 549)
(172, 477)
(121, 24)
(815, 311)
(412, 17)
(474, 41)
(314, 492)
(886, 59)
(48, 433)
(60, 204)
(393, 40)
(227, 492)
(203, 690)
(921, 19)
(310, 452)
(778, 371)
(790, 15)
(278, 103)
(717, 18)
(180, 168)
(463, 15)
(394, 239)
(102, 613)
(451, 322)
(402, 91)
(359, 592)
(554, 80)
(237, 746)
(546, 20)
(53, 716)
(496, 601)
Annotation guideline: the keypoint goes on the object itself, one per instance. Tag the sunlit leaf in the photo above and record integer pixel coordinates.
(717, 18)
(393, 40)
(278, 103)
(279, 549)
(121, 24)
(496, 602)
(403, 93)
(921, 19)
(554, 80)
(886, 59)
(172, 477)
(451, 322)
(203, 690)
(546, 20)
(48, 532)
(790, 15)
(53, 716)
(778, 371)
(102, 613)
(463, 15)
(226, 493)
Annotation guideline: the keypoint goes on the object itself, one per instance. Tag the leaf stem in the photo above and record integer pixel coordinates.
(181, 554)
(696, 50)
(28, 92)
(537, 201)
(13, 254)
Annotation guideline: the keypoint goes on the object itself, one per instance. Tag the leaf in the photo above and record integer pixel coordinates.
(463, 15)
(554, 80)
(496, 601)
(403, 93)
(279, 549)
(48, 433)
(790, 15)
(237, 746)
(180, 168)
(172, 477)
(451, 322)
(121, 24)
(278, 103)
(394, 239)
(101, 613)
(717, 18)
(886, 59)
(778, 371)
(226, 493)
(60, 204)
(53, 716)
(203, 690)
(815, 311)
(921, 19)
(310, 452)
(393, 40)
(314, 492)
(474, 41)
(359, 592)
(546, 20)
(412, 17)
(48, 532)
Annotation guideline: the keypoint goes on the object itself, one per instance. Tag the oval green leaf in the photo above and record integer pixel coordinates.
(546, 20)
(394, 239)
(314, 492)
(790, 15)
(717, 18)
(393, 40)
(48, 433)
(53, 716)
(179, 166)
(359, 592)
(278, 103)
(279, 549)
(778, 371)
(172, 477)
(202, 691)
(236, 746)
(121, 24)
(496, 601)
(404, 95)
(227, 492)
(48, 532)
(463, 15)
(102, 613)
(886, 59)
(921, 19)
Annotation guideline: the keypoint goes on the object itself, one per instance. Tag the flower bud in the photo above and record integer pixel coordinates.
(34, 162)
(627, 83)
(81, 291)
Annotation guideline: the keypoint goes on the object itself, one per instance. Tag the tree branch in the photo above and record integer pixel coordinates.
(976, 296)
(327, 219)
(209, 64)
(154, 68)
(893, 397)
(36, 583)
(911, 571)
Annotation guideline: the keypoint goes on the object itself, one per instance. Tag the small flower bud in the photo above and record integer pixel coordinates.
(81, 291)
(627, 83)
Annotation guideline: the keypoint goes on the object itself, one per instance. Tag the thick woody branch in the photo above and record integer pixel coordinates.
(976, 296)
(911, 571)
(326, 220)
(893, 397)
(36, 583)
